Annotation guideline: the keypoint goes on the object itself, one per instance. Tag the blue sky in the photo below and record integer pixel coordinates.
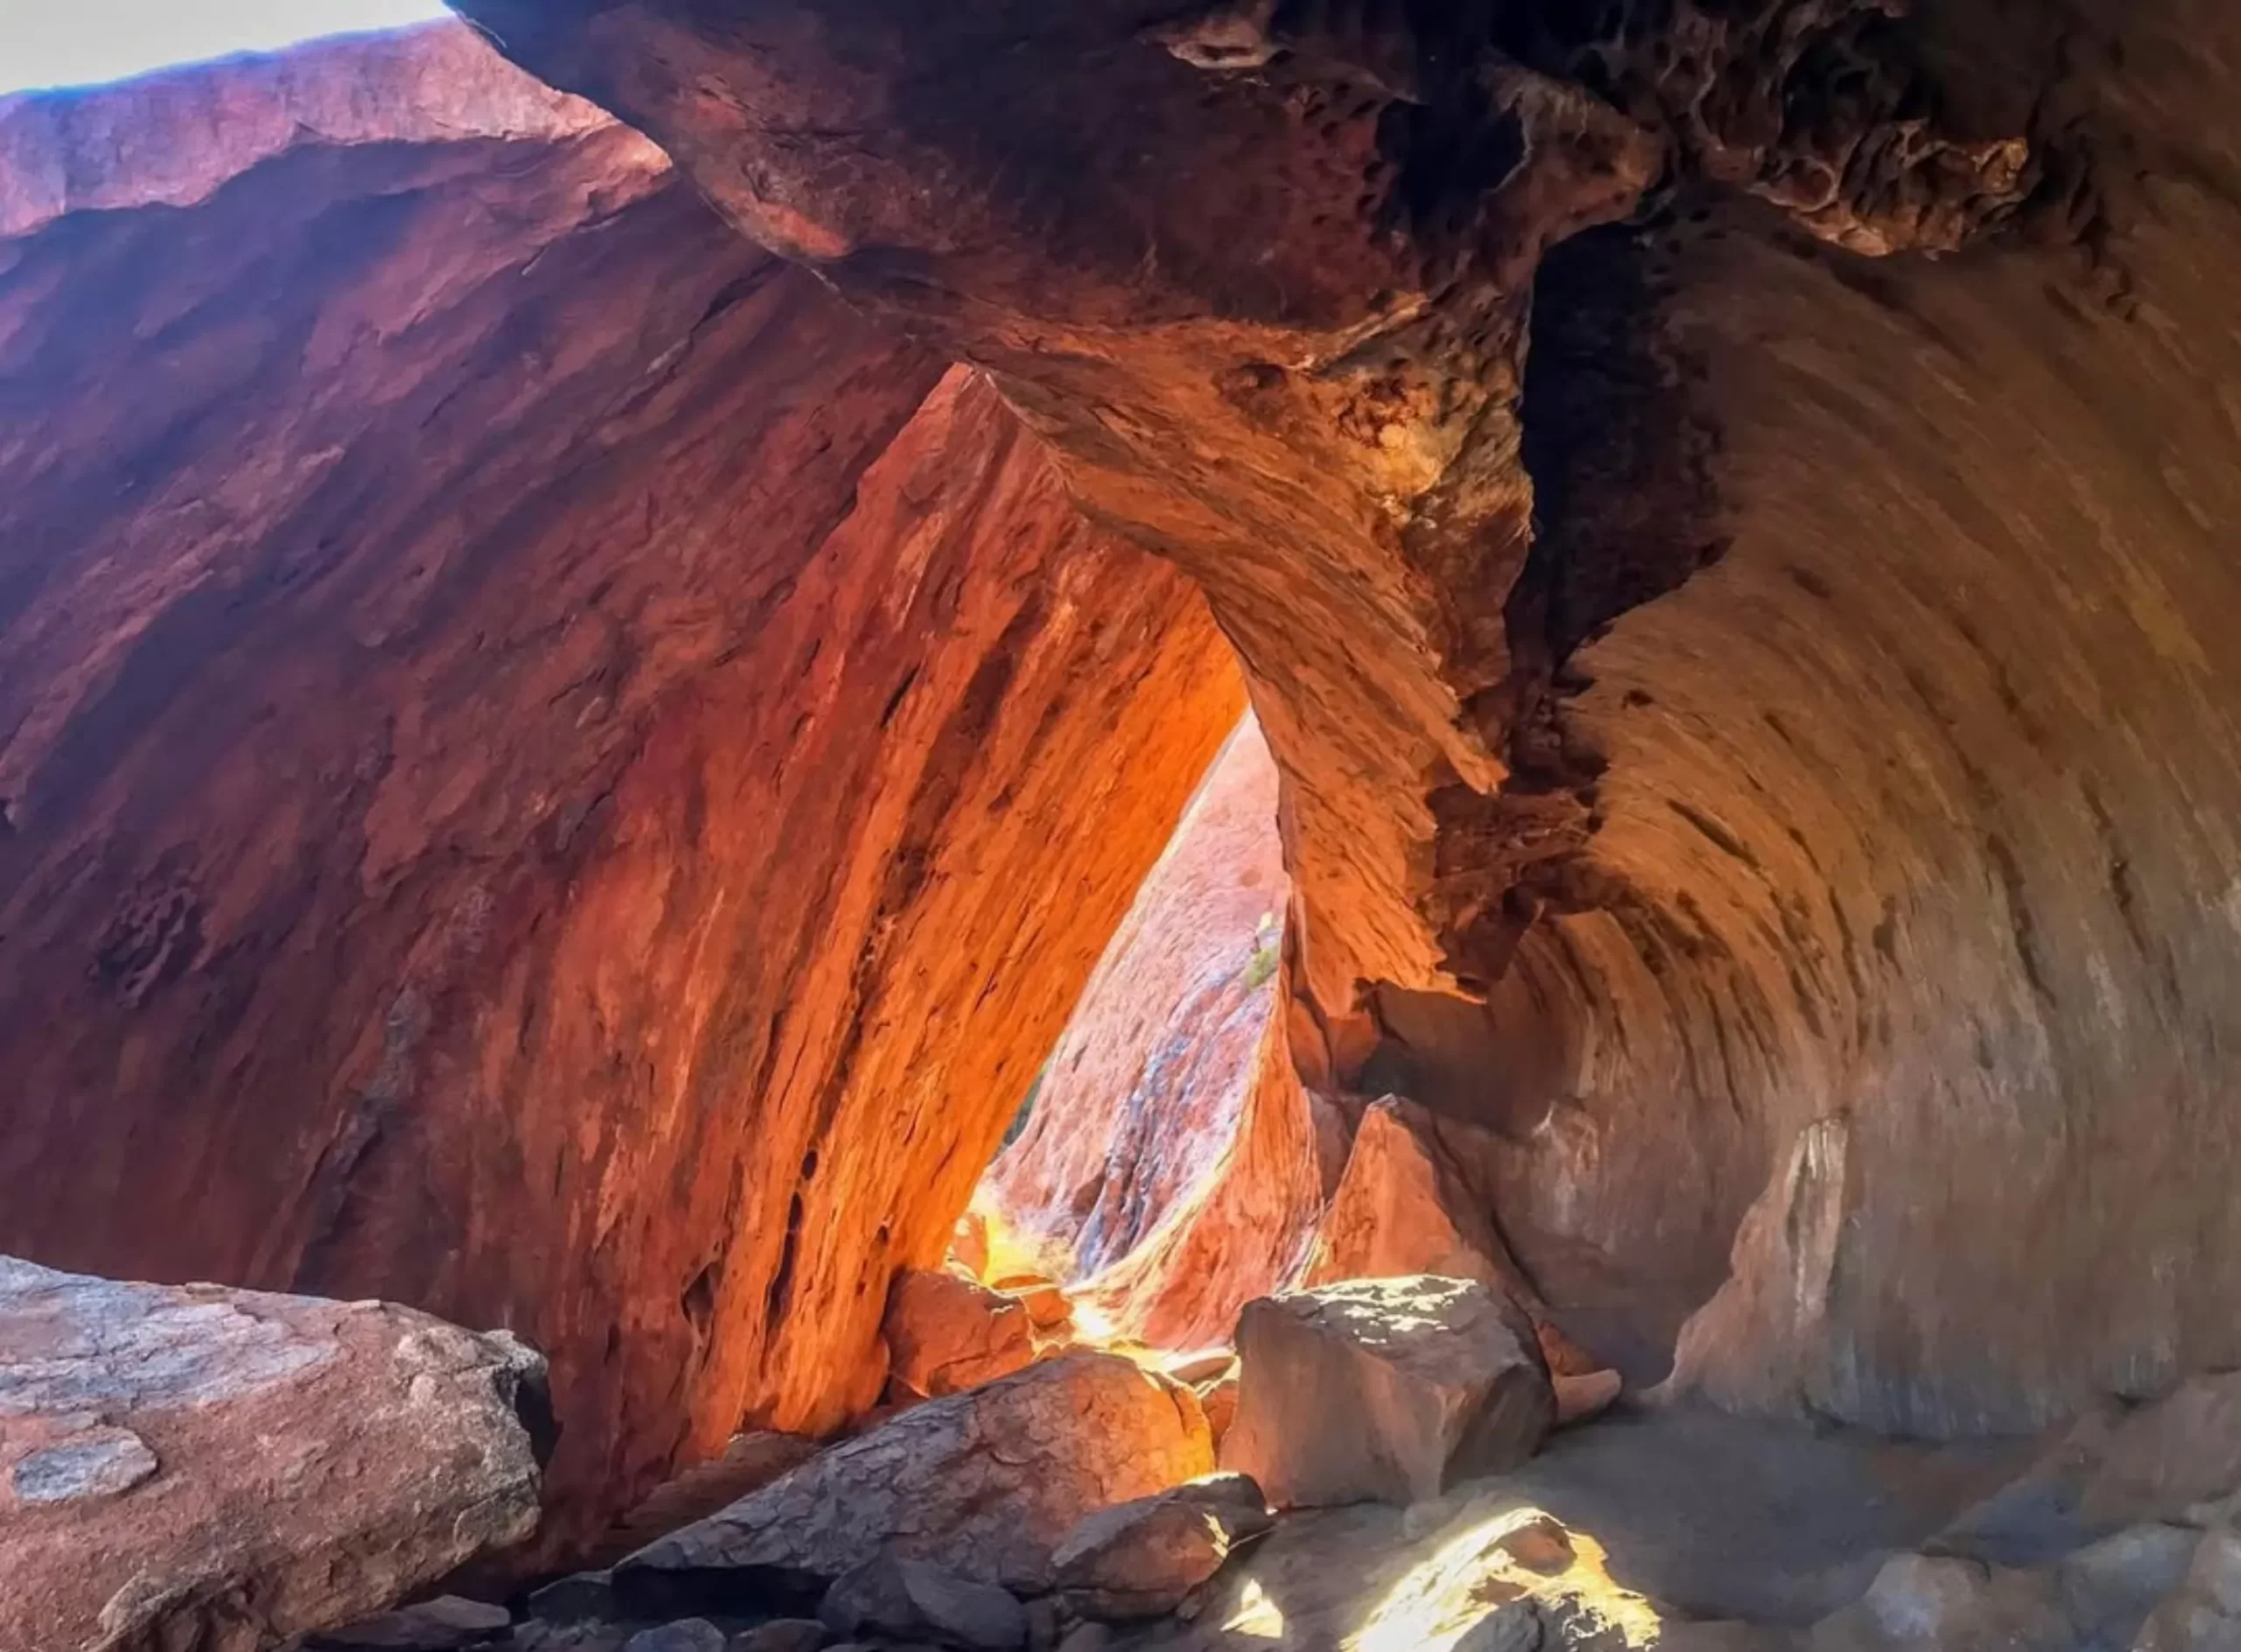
(81, 42)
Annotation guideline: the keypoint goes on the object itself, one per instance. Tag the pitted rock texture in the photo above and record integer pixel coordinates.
(536, 753)
(1302, 375)
(1170, 1157)
(226, 1470)
(1787, 684)
(984, 1484)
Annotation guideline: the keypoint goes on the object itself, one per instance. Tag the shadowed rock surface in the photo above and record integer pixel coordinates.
(1142, 1559)
(225, 1470)
(984, 1485)
(1725, 510)
(913, 1601)
(536, 745)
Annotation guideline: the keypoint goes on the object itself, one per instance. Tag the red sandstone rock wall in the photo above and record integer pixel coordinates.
(1170, 1156)
(547, 770)
(1785, 671)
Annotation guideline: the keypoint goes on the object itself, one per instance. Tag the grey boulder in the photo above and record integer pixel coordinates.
(983, 1484)
(898, 1600)
(687, 1635)
(442, 1625)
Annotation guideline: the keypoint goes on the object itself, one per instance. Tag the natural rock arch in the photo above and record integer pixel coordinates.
(1722, 507)
(1722, 510)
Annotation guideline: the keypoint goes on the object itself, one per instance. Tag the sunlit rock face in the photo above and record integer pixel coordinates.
(1725, 510)
(548, 770)
(1169, 1162)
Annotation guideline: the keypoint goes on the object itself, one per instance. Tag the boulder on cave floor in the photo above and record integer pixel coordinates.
(224, 1470)
(947, 1333)
(1469, 1575)
(2204, 1613)
(783, 1635)
(2176, 1458)
(1201, 1365)
(686, 1635)
(984, 1484)
(2157, 1587)
(749, 1461)
(1395, 1211)
(1144, 1558)
(2152, 1588)
(914, 1600)
(1947, 1602)
(1384, 1389)
(1582, 1398)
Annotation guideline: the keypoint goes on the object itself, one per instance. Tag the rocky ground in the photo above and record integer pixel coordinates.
(1398, 1448)
(1368, 1465)
(1068, 1506)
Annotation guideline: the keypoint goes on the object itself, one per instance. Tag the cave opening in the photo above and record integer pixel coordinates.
(1199, 1137)
(1166, 1168)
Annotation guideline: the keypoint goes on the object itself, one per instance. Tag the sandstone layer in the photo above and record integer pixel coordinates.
(1170, 1157)
(548, 770)
(1724, 509)
(227, 1470)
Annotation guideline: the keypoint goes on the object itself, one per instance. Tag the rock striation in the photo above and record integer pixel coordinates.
(229, 1469)
(535, 748)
